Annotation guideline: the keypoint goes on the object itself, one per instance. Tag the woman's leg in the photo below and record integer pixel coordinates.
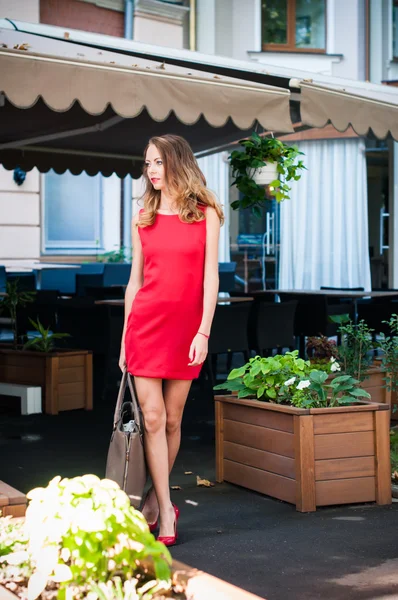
(149, 392)
(175, 394)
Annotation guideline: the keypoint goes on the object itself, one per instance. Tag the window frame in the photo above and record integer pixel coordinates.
(72, 247)
(394, 4)
(290, 45)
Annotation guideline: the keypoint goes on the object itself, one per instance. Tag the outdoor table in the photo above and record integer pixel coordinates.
(120, 301)
(25, 266)
(332, 293)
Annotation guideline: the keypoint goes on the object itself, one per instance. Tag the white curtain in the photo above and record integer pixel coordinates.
(216, 170)
(324, 225)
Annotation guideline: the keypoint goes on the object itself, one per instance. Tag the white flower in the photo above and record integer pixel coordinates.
(290, 381)
(332, 359)
(303, 384)
(335, 366)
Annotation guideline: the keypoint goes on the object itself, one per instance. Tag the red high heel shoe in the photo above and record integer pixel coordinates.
(170, 540)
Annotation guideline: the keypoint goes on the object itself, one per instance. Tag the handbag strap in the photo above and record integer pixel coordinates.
(127, 380)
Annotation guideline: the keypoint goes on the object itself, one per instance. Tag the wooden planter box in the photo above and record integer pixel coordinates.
(12, 502)
(310, 458)
(197, 585)
(375, 385)
(66, 377)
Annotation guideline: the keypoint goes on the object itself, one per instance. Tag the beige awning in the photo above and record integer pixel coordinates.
(363, 107)
(69, 106)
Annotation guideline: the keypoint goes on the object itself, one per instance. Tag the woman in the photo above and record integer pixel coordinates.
(169, 307)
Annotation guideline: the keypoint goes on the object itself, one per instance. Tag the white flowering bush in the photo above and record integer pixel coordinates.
(288, 379)
(82, 532)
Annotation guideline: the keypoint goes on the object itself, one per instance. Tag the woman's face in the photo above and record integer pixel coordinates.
(154, 168)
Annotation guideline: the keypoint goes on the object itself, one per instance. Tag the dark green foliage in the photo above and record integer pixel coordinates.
(15, 298)
(45, 341)
(257, 152)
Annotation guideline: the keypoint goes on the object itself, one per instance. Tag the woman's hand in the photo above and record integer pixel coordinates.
(198, 350)
(122, 359)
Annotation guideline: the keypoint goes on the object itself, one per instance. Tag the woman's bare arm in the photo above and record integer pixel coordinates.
(211, 278)
(199, 346)
(136, 276)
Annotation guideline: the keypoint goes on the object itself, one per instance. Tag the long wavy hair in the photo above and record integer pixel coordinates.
(184, 180)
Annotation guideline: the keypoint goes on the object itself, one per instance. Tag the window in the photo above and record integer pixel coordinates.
(395, 29)
(294, 25)
(72, 213)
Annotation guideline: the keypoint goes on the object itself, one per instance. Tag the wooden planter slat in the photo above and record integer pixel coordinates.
(321, 457)
(250, 415)
(344, 445)
(66, 377)
(304, 463)
(346, 491)
(266, 461)
(262, 438)
(383, 461)
(348, 423)
(345, 468)
(265, 482)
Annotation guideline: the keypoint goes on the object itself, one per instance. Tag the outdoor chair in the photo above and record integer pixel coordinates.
(375, 313)
(229, 334)
(43, 308)
(271, 326)
(226, 273)
(3, 279)
(312, 316)
(26, 281)
(62, 280)
(116, 274)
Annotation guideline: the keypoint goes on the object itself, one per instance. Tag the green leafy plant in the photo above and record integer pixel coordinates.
(44, 342)
(316, 393)
(288, 379)
(257, 152)
(123, 254)
(354, 354)
(264, 377)
(389, 347)
(82, 532)
(15, 298)
(394, 454)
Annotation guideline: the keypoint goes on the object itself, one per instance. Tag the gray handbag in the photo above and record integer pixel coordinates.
(126, 457)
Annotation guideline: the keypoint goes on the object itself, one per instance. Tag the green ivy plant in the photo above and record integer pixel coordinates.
(15, 298)
(82, 533)
(257, 152)
(44, 342)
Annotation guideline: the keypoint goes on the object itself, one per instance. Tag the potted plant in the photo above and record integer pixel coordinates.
(263, 161)
(289, 432)
(355, 356)
(389, 362)
(15, 298)
(65, 376)
(82, 539)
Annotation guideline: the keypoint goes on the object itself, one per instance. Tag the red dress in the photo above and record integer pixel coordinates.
(167, 310)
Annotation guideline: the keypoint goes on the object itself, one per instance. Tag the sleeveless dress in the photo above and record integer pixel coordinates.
(167, 310)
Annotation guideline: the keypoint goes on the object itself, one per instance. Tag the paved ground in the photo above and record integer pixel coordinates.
(262, 545)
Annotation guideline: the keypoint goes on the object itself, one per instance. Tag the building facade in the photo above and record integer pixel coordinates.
(352, 40)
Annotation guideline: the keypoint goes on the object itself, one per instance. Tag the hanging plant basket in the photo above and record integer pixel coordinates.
(264, 161)
(267, 174)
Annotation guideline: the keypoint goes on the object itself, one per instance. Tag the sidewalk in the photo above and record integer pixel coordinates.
(255, 542)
